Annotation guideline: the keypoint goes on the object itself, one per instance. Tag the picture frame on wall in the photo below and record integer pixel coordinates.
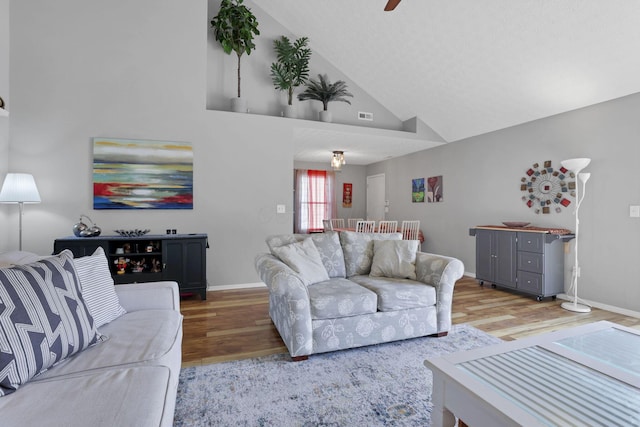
(347, 194)
(142, 174)
(434, 189)
(417, 190)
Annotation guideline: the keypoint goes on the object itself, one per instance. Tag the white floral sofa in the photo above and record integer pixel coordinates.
(337, 290)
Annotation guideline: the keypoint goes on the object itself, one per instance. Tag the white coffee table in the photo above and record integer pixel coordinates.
(584, 376)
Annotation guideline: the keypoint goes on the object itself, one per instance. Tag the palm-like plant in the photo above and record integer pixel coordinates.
(234, 27)
(324, 91)
(292, 66)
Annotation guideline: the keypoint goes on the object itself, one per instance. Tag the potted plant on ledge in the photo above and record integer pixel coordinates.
(324, 91)
(291, 68)
(235, 27)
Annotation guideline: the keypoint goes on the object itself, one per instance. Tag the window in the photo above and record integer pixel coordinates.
(315, 199)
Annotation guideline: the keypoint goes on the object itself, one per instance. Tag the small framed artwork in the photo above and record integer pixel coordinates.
(347, 189)
(417, 190)
(434, 189)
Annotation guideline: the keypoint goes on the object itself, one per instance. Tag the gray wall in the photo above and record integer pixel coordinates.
(138, 70)
(4, 121)
(482, 186)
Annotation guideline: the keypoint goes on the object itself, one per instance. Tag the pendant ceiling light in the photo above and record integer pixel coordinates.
(337, 160)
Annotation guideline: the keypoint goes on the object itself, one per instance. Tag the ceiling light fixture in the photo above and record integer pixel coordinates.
(337, 160)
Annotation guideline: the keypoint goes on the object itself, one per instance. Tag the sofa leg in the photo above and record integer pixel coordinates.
(299, 358)
(439, 334)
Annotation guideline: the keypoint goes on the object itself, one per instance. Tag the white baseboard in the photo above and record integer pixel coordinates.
(599, 305)
(236, 286)
(602, 306)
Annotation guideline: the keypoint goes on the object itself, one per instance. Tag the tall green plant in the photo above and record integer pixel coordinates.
(324, 91)
(292, 66)
(235, 27)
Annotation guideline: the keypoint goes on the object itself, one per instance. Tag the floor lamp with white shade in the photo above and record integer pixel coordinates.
(576, 165)
(19, 188)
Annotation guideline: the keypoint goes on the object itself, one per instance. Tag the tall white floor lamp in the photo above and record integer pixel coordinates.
(19, 188)
(576, 165)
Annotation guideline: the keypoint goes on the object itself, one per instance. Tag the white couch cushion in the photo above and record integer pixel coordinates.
(151, 337)
(398, 294)
(303, 258)
(327, 243)
(358, 249)
(134, 396)
(44, 318)
(340, 298)
(394, 258)
(98, 288)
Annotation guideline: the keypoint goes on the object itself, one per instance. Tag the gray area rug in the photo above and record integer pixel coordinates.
(380, 385)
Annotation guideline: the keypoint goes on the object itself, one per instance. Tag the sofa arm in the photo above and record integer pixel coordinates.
(441, 272)
(289, 305)
(149, 296)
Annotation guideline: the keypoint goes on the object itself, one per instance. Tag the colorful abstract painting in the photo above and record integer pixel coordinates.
(134, 174)
(417, 190)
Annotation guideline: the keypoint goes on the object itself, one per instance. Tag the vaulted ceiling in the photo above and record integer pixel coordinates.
(468, 67)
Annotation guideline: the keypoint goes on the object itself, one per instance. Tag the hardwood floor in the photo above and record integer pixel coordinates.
(233, 325)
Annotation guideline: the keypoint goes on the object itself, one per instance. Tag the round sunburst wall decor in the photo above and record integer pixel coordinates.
(546, 189)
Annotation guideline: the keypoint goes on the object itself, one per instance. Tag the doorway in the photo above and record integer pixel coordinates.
(376, 196)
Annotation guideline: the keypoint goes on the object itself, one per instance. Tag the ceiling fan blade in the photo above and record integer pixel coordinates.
(391, 4)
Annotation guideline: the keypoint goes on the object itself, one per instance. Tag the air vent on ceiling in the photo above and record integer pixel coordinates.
(365, 116)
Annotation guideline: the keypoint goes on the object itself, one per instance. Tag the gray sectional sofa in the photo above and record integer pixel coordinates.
(128, 376)
(337, 290)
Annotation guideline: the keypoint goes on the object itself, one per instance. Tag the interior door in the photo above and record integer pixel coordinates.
(376, 197)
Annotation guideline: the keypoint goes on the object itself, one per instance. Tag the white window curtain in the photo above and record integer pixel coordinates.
(314, 199)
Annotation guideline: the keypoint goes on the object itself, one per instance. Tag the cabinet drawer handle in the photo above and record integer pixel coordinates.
(528, 262)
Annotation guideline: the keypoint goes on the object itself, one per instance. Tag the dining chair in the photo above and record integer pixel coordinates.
(365, 226)
(352, 222)
(337, 223)
(387, 226)
(409, 230)
(326, 225)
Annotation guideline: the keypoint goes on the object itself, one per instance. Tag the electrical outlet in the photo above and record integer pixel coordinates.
(634, 211)
(281, 209)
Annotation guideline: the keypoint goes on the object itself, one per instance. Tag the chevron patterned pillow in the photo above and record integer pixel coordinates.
(43, 319)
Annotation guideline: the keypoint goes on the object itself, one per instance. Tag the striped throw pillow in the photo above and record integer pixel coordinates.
(43, 319)
(98, 289)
